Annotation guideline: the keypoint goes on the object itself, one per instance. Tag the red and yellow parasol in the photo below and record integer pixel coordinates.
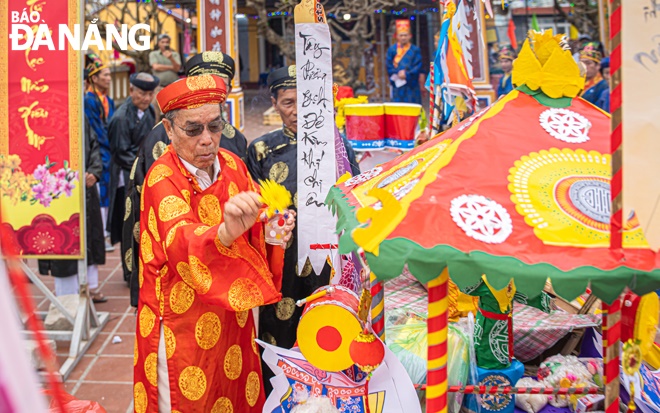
(518, 191)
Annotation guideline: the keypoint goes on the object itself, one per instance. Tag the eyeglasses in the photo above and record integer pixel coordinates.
(214, 126)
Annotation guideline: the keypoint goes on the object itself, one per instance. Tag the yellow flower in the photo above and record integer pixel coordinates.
(275, 196)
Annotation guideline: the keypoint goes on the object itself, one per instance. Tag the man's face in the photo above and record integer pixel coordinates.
(403, 38)
(606, 74)
(202, 149)
(141, 98)
(163, 43)
(592, 68)
(102, 79)
(286, 105)
(507, 65)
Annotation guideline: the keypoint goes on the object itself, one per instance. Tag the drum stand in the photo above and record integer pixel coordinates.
(87, 324)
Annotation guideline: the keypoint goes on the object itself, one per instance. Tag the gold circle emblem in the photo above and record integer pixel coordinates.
(157, 286)
(230, 161)
(135, 352)
(233, 190)
(229, 131)
(136, 231)
(222, 405)
(195, 83)
(151, 368)
(254, 343)
(186, 195)
(146, 248)
(268, 338)
(196, 274)
(295, 200)
(192, 383)
(212, 57)
(244, 294)
(128, 208)
(140, 272)
(201, 229)
(172, 207)
(252, 388)
(207, 330)
(233, 362)
(153, 225)
(158, 150)
(292, 71)
(307, 269)
(172, 232)
(241, 318)
(170, 341)
(131, 176)
(181, 297)
(140, 398)
(279, 172)
(285, 308)
(158, 173)
(147, 320)
(128, 259)
(209, 210)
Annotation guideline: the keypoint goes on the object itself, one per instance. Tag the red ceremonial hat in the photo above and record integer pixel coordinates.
(402, 26)
(192, 92)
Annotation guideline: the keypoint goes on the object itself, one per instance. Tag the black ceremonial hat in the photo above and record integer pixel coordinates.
(143, 84)
(211, 63)
(283, 78)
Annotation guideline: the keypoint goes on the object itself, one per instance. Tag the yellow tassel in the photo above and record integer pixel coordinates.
(275, 196)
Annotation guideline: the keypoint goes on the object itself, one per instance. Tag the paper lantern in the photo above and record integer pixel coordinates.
(367, 352)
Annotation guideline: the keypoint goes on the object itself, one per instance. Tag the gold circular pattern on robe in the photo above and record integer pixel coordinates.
(192, 381)
(233, 190)
(254, 343)
(285, 308)
(140, 398)
(135, 352)
(170, 341)
(153, 225)
(158, 173)
(222, 405)
(229, 131)
(140, 272)
(128, 208)
(207, 330)
(192, 274)
(231, 163)
(244, 294)
(289, 243)
(128, 259)
(252, 388)
(241, 318)
(136, 231)
(157, 286)
(268, 338)
(181, 297)
(279, 172)
(209, 210)
(141, 198)
(186, 195)
(172, 232)
(295, 200)
(172, 207)
(151, 368)
(201, 229)
(131, 176)
(146, 248)
(307, 269)
(147, 320)
(200, 82)
(260, 148)
(159, 149)
(233, 362)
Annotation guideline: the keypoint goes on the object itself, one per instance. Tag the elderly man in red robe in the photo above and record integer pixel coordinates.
(203, 265)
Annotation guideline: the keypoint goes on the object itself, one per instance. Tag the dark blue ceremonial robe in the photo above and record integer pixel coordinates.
(411, 62)
(97, 120)
(505, 85)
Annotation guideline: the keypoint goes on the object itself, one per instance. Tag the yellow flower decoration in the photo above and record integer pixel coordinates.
(275, 196)
(549, 67)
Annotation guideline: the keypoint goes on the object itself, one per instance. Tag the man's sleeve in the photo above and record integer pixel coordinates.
(415, 66)
(152, 58)
(253, 164)
(177, 57)
(119, 136)
(236, 278)
(94, 163)
(390, 61)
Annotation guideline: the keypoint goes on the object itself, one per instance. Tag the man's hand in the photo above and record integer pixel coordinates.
(167, 54)
(402, 74)
(90, 180)
(241, 212)
(287, 229)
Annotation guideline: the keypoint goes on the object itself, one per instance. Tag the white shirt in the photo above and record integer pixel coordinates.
(203, 178)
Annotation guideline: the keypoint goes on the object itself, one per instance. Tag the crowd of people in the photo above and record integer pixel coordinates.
(174, 184)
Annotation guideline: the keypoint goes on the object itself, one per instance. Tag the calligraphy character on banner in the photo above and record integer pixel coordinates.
(203, 265)
(273, 156)
(155, 144)
(404, 65)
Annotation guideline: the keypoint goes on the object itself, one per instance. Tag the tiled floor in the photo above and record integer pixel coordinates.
(105, 372)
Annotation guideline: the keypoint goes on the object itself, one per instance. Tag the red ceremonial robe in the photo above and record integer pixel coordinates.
(201, 292)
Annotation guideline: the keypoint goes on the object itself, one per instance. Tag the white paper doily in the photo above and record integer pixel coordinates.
(565, 125)
(481, 218)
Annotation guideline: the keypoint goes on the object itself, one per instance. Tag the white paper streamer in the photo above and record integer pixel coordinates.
(316, 150)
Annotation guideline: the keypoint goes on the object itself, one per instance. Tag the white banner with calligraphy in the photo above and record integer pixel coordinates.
(316, 150)
(641, 123)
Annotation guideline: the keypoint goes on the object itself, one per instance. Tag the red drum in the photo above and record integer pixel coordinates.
(365, 126)
(327, 327)
(401, 121)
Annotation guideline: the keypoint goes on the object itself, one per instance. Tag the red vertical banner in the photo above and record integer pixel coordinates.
(216, 29)
(41, 129)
